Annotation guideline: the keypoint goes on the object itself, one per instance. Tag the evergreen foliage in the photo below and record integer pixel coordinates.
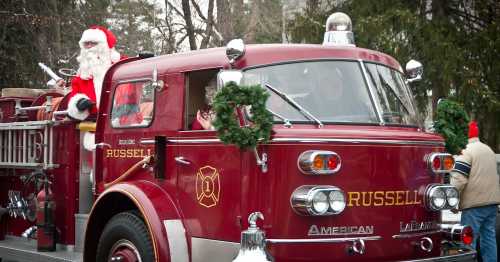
(452, 123)
(231, 97)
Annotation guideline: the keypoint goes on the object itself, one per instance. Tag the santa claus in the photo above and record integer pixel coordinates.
(97, 54)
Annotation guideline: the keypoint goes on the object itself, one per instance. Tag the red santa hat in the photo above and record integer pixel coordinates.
(473, 129)
(100, 34)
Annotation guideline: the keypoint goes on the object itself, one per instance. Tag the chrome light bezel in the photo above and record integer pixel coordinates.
(430, 158)
(301, 200)
(431, 189)
(306, 160)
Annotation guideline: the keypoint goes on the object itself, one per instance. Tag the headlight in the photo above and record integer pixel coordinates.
(439, 197)
(452, 197)
(318, 200)
(337, 201)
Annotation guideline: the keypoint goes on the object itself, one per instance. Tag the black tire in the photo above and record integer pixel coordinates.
(125, 227)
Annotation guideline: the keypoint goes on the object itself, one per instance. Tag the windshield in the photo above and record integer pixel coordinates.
(331, 91)
(393, 95)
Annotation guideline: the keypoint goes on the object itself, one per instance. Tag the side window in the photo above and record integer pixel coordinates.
(201, 87)
(133, 104)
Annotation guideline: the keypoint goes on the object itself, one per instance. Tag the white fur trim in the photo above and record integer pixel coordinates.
(89, 141)
(115, 56)
(73, 110)
(94, 35)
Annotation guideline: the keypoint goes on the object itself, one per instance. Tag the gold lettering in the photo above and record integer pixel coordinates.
(352, 198)
(130, 152)
(408, 201)
(369, 202)
(378, 198)
(137, 153)
(127, 153)
(387, 198)
(399, 198)
(417, 201)
(383, 198)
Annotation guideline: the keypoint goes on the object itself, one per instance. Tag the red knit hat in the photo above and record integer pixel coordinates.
(473, 130)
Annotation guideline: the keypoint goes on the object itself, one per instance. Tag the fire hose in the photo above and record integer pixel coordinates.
(145, 161)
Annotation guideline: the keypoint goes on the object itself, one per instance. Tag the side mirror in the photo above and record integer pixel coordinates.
(226, 76)
(235, 49)
(414, 71)
(157, 84)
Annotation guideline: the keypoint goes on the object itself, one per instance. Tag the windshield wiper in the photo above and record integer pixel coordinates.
(286, 121)
(294, 104)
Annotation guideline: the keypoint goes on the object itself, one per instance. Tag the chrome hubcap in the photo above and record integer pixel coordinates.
(124, 251)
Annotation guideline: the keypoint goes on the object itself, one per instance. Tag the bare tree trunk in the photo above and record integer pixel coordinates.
(224, 19)
(186, 9)
(254, 20)
(210, 25)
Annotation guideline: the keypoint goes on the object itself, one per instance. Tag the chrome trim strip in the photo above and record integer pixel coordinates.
(183, 141)
(213, 250)
(176, 237)
(357, 141)
(308, 140)
(469, 255)
(402, 236)
(322, 240)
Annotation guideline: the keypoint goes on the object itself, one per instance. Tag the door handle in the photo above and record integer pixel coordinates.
(181, 160)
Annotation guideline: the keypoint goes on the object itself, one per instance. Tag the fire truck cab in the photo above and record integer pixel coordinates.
(348, 174)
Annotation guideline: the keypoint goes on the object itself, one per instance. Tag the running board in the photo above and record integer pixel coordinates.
(22, 250)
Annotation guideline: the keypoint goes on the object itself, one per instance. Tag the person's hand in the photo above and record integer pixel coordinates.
(60, 84)
(205, 119)
(83, 104)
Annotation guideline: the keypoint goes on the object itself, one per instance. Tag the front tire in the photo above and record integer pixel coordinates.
(125, 238)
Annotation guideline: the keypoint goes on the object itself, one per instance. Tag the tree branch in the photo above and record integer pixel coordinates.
(198, 9)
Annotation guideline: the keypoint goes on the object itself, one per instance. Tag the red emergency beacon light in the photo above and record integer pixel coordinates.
(349, 172)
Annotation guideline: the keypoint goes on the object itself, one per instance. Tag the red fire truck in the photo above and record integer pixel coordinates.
(348, 173)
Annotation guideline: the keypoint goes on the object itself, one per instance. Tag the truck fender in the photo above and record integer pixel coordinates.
(154, 204)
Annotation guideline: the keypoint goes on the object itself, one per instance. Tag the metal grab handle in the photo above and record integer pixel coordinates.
(181, 160)
(426, 244)
(357, 247)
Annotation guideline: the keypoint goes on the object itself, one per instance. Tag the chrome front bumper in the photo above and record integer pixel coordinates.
(463, 256)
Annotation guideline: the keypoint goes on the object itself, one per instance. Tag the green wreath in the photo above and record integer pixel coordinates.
(226, 122)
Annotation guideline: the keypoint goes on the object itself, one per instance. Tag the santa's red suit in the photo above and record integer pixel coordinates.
(94, 61)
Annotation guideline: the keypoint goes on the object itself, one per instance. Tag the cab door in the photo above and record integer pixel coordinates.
(209, 173)
(209, 183)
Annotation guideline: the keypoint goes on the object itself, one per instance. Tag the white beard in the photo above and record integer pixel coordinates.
(94, 62)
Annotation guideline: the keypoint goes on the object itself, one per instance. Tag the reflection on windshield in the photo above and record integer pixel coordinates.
(393, 95)
(332, 91)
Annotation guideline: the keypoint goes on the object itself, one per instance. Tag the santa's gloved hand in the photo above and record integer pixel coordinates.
(84, 104)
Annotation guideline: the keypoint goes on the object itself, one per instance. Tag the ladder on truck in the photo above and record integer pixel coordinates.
(27, 145)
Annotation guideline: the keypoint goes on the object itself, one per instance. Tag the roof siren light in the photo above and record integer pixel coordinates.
(338, 30)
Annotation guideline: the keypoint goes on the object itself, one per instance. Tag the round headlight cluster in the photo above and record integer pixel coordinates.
(318, 200)
(441, 197)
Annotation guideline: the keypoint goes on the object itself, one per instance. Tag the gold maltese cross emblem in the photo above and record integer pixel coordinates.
(207, 186)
